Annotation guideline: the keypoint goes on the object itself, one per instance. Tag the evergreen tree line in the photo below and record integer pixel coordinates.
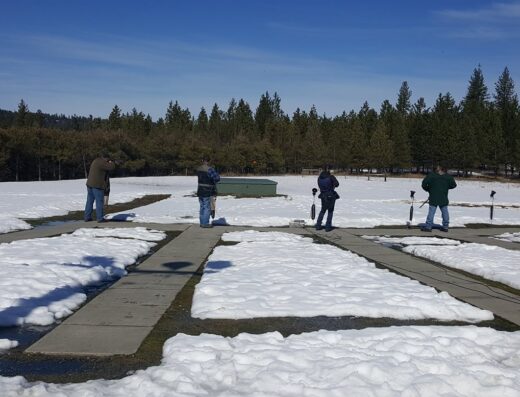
(482, 132)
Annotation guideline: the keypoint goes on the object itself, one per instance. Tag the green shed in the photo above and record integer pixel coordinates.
(247, 187)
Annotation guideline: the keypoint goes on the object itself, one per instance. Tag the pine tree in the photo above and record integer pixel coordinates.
(380, 149)
(494, 147)
(477, 94)
(22, 114)
(178, 119)
(216, 122)
(403, 99)
(420, 134)
(244, 119)
(264, 113)
(475, 106)
(358, 148)
(314, 153)
(368, 119)
(231, 122)
(115, 119)
(202, 121)
(135, 122)
(506, 103)
(395, 127)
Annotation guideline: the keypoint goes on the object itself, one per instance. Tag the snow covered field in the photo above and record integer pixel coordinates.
(279, 274)
(363, 203)
(490, 262)
(32, 200)
(273, 274)
(42, 280)
(390, 362)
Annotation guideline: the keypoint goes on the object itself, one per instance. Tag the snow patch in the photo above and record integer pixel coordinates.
(390, 362)
(42, 280)
(6, 344)
(279, 274)
(412, 240)
(510, 237)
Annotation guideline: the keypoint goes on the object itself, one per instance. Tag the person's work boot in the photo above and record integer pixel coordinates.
(319, 227)
(444, 229)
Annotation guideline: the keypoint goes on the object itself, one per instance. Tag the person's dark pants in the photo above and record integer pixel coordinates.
(94, 194)
(327, 204)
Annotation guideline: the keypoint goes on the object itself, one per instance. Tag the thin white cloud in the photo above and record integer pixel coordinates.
(168, 55)
(495, 12)
(481, 33)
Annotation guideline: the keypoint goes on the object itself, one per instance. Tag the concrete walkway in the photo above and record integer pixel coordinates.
(69, 227)
(120, 318)
(502, 303)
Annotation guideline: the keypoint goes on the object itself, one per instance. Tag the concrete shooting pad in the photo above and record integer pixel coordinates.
(119, 319)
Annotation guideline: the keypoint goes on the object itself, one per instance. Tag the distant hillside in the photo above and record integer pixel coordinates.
(6, 118)
(40, 119)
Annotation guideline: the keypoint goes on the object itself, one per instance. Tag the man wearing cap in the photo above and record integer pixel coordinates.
(96, 184)
(207, 187)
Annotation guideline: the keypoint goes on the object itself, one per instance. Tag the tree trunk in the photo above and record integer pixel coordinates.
(85, 165)
(17, 168)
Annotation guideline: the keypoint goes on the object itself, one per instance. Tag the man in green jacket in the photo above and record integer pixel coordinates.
(96, 184)
(437, 184)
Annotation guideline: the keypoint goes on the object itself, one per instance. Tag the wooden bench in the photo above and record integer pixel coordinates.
(311, 171)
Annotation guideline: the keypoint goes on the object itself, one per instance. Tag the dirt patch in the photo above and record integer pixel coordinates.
(112, 208)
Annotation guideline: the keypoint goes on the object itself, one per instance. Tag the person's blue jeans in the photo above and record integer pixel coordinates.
(205, 210)
(94, 194)
(431, 215)
(327, 205)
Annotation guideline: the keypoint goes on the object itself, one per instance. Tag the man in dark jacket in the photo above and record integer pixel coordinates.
(96, 185)
(437, 184)
(327, 183)
(207, 187)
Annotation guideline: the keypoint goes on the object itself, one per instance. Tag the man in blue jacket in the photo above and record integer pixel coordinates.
(207, 187)
(327, 183)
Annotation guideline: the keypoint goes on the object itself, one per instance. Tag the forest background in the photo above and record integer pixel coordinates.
(481, 133)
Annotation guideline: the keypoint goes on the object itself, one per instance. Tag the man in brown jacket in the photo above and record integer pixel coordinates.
(96, 186)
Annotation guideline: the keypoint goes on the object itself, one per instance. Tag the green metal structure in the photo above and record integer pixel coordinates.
(246, 187)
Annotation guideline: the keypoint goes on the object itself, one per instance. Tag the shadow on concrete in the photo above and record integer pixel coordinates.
(170, 268)
(219, 222)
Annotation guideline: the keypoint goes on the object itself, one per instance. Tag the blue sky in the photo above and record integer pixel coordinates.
(83, 57)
